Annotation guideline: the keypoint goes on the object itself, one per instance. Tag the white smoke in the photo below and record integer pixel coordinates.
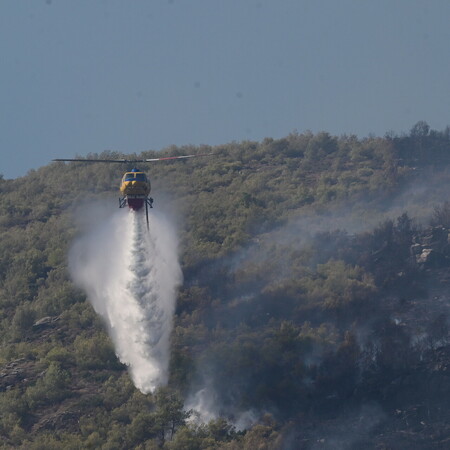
(130, 275)
(205, 406)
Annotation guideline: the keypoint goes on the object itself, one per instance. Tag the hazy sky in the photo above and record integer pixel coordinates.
(88, 75)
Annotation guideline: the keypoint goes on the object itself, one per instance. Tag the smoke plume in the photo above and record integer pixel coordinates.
(130, 275)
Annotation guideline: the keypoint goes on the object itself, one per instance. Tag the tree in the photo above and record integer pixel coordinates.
(420, 129)
(441, 215)
(169, 414)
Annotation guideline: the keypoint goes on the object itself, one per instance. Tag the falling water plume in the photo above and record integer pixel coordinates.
(130, 275)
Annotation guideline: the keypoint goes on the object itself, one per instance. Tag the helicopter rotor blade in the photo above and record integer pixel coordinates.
(99, 160)
(166, 158)
(127, 161)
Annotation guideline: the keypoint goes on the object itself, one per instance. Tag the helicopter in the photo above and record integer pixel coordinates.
(135, 186)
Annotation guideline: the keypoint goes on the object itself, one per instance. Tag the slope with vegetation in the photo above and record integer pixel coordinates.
(303, 306)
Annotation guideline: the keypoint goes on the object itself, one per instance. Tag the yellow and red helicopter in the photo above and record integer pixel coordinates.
(135, 186)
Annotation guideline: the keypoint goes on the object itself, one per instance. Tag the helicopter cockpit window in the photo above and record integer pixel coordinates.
(141, 177)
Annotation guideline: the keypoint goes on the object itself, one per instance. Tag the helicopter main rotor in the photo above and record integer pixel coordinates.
(130, 161)
(135, 192)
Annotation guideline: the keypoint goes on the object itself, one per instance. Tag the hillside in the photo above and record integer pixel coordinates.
(313, 311)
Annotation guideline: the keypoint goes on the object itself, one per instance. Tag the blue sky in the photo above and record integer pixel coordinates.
(88, 75)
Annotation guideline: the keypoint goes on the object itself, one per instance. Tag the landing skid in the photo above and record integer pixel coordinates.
(122, 202)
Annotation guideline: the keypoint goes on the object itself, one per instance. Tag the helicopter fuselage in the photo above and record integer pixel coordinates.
(135, 188)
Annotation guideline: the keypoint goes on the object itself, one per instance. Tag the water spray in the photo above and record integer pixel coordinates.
(130, 275)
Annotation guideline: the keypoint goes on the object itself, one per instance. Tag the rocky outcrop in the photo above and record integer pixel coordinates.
(67, 420)
(432, 248)
(19, 371)
(45, 322)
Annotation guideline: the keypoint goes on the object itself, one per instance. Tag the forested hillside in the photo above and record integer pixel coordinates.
(313, 312)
